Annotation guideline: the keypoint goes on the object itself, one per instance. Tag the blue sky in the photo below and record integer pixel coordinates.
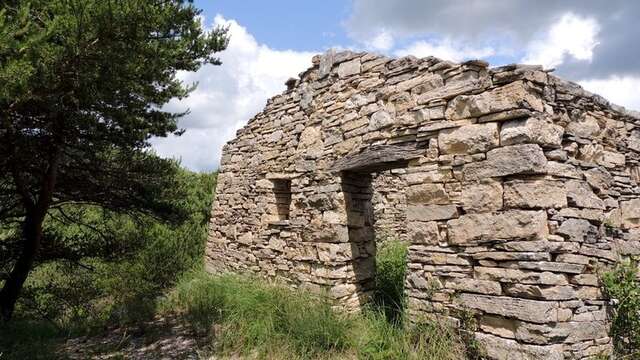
(300, 25)
(592, 42)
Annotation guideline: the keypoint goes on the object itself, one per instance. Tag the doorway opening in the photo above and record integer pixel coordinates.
(380, 254)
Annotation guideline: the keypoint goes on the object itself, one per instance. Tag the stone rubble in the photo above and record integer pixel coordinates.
(513, 187)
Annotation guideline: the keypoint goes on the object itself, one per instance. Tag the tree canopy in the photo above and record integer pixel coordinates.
(83, 88)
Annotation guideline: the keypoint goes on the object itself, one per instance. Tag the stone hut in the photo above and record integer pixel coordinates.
(513, 187)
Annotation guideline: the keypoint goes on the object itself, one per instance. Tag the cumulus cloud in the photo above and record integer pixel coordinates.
(228, 96)
(517, 26)
(619, 90)
(382, 41)
(572, 35)
(445, 49)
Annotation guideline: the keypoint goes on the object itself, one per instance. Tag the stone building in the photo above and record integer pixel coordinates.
(513, 187)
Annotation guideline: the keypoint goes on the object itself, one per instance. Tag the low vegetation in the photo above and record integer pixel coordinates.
(248, 316)
(622, 285)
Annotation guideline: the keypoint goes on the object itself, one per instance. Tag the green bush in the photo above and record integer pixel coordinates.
(391, 269)
(120, 283)
(622, 285)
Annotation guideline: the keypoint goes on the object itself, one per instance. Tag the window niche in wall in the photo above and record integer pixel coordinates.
(282, 194)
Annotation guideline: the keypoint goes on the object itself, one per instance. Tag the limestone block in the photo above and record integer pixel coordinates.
(510, 96)
(543, 245)
(511, 256)
(340, 252)
(578, 230)
(349, 68)
(431, 212)
(564, 292)
(531, 194)
(563, 170)
(579, 194)
(506, 349)
(599, 179)
(420, 232)
(326, 63)
(380, 119)
(586, 280)
(482, 196)
(519, 276)
(468, 139)
(553, 266)
(451, 90)
(630, 212)
(510, 225)
(498, 325)
(532, 130)
(633, 142)
(541, 334)
(586, 127)
(582, 331)
(508, 160)
(534, 311)
(474, 286)
(427, 194)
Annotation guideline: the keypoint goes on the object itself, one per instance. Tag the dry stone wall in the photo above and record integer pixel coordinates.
(513, 187)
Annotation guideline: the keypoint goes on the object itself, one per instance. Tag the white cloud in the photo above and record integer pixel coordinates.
(619, 90)
(228, 96)
(382, 41)
(571, 35)
(445, 49)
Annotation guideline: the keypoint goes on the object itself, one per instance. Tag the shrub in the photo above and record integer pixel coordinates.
(623, 286)
(120, 283)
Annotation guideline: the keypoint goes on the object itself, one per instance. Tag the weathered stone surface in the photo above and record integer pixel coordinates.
(498, 325)
(499, 99)
(431, 212)
(424, 233)
(482, 196)
(532, 130)
(469, 139)
(509, 225)
(541, 292)
(528, 310)
(520, 276)
(474, 286)
(427, 194)
(556, 266)
(540, 334)
(587, 127)
(634, 141)
(508, 160)
(578, 230)
(349, 68)
(531, 194)
(507, 349)
(599, 179)
(630, 211)
(580, 194)
(380, 119)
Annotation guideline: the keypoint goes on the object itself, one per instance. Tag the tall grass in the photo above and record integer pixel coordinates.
(391, 269)
(248, 316)
(253, 316)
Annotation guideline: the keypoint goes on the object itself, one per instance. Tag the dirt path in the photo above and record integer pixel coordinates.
(162, 338)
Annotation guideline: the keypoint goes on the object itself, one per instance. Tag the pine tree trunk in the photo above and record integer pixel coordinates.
(32, 237)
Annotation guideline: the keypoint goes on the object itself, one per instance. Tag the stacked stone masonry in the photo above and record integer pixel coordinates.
(513, 187)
